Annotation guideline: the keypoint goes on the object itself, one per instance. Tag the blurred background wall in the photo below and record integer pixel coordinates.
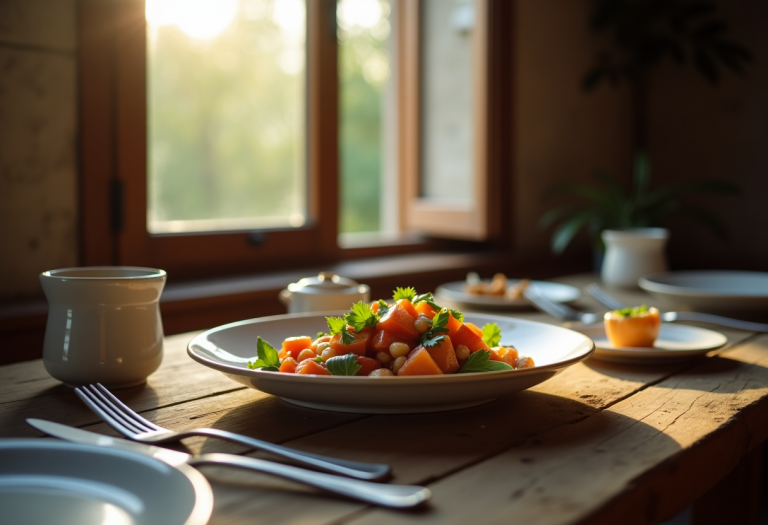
(696, 131)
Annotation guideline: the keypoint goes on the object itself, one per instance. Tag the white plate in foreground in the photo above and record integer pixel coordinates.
(676, 342)
(51, 481)
(454, 291)
(228, 348)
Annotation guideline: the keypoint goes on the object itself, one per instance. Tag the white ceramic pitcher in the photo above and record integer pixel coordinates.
(104, 324)
(631, 254)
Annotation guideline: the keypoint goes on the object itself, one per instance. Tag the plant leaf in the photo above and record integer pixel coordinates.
(566, 231)
(404, 293)
(491, 334)
(343, 365)
(480, 361)
(267, 357)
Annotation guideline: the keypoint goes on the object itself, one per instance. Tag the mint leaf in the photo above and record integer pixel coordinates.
(343, 365)
(267, 358)
(404, 293)
(491, 334)
(383, 307)
(361, 316)
(480, 361)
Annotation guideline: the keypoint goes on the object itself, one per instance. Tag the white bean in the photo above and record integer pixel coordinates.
(398, 364)
(384, 357)
(399, 349)
(462, 352)
(381, 372)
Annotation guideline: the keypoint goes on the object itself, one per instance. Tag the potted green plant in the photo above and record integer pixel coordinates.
(644, 33)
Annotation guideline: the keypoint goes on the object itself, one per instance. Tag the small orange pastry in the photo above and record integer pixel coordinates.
(638, 326)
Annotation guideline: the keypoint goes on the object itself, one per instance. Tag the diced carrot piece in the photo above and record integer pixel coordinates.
(505, 355)
(408, 307)
(288, 366)
(294, 345)
(368, 365)
(419, 363)
(425, 309)
(444, 356)
(525, 362)
(323, 339)
(358, 345)
(475, 328)
(382, 339)
(310, 366)
(375, 307)
(453, 326)
(399, 321)
(465, 336)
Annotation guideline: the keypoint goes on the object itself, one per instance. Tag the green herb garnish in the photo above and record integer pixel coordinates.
(636, 311)
(361, 316)
(383, 308)
(343, 365)
(459, 316)
(318, 359)
(267, 358)
(404, 293)
(337, 325)
(491, 334)
(431, 336)
(480, 361)
(320, 334)
(427, 298)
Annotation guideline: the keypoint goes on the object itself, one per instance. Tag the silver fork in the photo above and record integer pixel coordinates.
(133, 426)
(611, 303)
(558, 310)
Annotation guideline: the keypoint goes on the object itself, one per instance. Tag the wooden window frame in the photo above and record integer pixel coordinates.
(113, 155)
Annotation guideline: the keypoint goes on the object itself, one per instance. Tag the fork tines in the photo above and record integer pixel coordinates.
(113, 411)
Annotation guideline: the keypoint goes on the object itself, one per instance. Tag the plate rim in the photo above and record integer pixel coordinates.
(654, 352)
(356, 380)
(648, 284)
(199, 513)
(494, 300)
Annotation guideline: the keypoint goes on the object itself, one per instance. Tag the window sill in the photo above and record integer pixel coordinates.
(197, 305)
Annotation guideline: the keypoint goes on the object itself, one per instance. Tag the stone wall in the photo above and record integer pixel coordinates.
(38, 142)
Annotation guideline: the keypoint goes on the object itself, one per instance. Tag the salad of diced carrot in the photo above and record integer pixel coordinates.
(408, 336)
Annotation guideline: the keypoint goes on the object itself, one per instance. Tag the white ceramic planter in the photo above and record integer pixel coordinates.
(631, 254)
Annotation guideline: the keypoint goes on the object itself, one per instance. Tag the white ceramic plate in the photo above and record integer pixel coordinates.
(710, 290)
(51, 481)
(228, 348)
(454, 291)
(676, 342)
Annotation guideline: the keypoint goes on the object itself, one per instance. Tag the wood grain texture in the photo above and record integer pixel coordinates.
(598, 443)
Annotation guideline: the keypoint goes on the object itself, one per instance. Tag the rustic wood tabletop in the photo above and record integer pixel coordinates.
(598, 443)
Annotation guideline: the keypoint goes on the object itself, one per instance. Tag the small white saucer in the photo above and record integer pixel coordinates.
(676, 342)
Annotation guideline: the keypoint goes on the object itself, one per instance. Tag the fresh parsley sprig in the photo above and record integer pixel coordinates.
(337, 325)
(480, 361)
(434, 335)
(267, 357)
(343, 365)
(404, 293)
(491, 334)
(360, 316)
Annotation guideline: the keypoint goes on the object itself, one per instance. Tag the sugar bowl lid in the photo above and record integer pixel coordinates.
(324, 283)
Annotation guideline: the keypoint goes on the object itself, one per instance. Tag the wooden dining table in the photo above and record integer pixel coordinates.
(597, 443)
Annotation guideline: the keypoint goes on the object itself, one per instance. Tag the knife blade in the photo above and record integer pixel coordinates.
(395, 496)
(76, 435)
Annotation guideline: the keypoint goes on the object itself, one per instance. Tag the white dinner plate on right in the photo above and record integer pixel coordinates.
(712, 291)
(676, 342)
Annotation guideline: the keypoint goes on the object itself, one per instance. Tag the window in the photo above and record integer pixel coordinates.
(377, 59)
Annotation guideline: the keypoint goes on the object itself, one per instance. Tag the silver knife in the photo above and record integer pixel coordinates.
(396, 496)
